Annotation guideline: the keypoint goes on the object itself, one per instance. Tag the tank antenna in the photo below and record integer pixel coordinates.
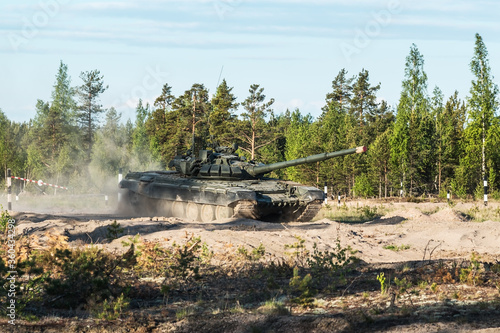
(218, 81)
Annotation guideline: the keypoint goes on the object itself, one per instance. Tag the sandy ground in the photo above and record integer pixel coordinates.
(443, 233)
(403, 233)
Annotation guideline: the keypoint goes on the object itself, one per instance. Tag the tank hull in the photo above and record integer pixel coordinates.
(168, 193)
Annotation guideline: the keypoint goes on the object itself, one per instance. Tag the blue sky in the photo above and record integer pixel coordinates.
(293, 49)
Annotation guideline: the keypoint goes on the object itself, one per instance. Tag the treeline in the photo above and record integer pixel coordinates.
(426, 144)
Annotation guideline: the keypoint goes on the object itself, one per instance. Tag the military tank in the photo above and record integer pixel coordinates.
(219, 184)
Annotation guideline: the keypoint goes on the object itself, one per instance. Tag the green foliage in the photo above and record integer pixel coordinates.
(222, 119)
(396, 248)
(113, 231)
(255, 255)
(330, 262)
(383, 285)
(358, 214)
(298, 251)
(472, 274)
(253, 131)
(274, 308)
(81, 274)
(89, 108)
(303, 285)
(363, 187)
(4, 219)
(111, 309)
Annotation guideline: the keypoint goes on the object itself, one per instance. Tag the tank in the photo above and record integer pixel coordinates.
(219, 184)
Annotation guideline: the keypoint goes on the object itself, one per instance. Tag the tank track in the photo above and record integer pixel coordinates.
(246, 209)
(243, 209)
(309, 212)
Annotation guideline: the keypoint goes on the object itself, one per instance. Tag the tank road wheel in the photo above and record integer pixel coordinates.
(223, 212)
(193, 211)
(207, 213)
(178, 209)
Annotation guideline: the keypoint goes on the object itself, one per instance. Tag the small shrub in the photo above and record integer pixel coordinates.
(113, 231)
(472, 273)
(304, 286)
(111, 309)
(298, 251)
(383, 285)
(4, 219)
(330, 262)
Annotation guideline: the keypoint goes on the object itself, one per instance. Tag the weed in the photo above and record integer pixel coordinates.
(358, 214)
(403, 285)
(434, 287)
(4, 219)
(472, 273)
(184, 312)
(423, 284)
(258, 252)
(206, 254)
(383, 285)
(396, 248)
(237, 308)
(274, 308)
(298, 251)
(112, 309)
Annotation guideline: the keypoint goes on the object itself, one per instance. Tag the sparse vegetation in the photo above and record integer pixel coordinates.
(358, 214)
(396, 248)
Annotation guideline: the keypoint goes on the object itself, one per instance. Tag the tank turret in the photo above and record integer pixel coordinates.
(224, 164)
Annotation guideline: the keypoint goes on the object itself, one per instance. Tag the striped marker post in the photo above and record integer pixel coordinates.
(9, 190)
(39, 182)
(485, 191)
(120, 176)
(326, 194)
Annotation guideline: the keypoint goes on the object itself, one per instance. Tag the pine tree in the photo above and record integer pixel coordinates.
(412, 139)
(140, 139)
(481, 133)
(222, 119)
(254, 131)
(89, 108)
(192, 110)
(159, 126)
(110, 151)
(332, 128)
(299, 140)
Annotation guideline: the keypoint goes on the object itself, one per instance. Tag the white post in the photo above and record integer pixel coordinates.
(326, 194)
(120, 176)
(485, 191)
(9, 190)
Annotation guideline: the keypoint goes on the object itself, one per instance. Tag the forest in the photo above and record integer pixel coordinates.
(427, 144)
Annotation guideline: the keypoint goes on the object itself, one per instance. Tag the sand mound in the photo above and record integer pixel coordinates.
(447, 215)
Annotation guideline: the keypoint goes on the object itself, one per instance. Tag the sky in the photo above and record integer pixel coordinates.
(292, 49)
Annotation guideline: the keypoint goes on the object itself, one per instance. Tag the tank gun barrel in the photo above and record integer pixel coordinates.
(259, 170)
